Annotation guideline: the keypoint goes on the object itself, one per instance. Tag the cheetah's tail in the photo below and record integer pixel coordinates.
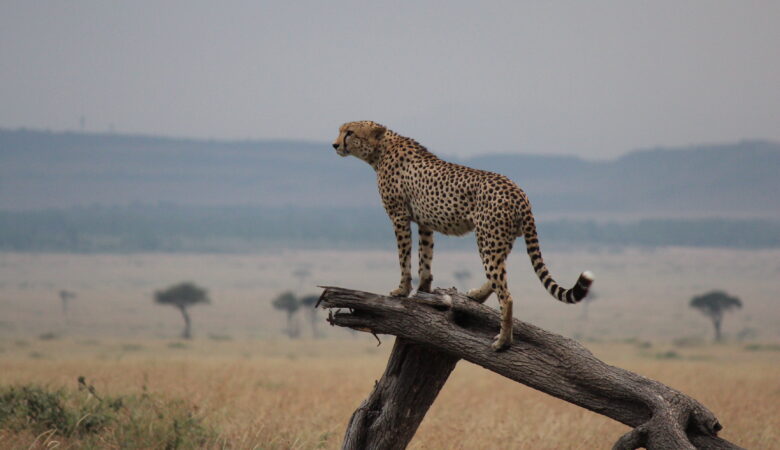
(573, 295)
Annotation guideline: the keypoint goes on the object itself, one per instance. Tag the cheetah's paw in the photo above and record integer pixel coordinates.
(400, 292)
(500, 343)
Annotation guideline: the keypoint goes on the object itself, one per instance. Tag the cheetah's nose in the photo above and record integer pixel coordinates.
(336, 146)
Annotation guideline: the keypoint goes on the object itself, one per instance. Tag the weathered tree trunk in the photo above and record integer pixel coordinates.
(187, 333)
(716, 322)
(416, 375)
(292, 327)
(436, 330)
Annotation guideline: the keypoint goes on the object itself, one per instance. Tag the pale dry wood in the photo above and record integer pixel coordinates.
(436, 330)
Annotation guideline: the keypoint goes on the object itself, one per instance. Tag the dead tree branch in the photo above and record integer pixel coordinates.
(436, 330)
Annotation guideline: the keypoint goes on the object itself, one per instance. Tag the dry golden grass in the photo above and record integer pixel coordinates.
(277, 394)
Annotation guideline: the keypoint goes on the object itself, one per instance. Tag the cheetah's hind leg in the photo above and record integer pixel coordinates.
(495, 244)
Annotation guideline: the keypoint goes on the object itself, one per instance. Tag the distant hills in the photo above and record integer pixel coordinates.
(712, 180)
(172, 228)
(58, 170)
(115, 193)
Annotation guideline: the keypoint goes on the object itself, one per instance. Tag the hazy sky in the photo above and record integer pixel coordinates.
(463, 77)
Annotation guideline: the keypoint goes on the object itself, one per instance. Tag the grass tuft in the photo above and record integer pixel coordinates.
(49, 336)
(671, 354)
(178, 345)
(220, 337)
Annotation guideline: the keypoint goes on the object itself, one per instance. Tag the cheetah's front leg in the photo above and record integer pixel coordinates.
(425, 258)
(403, 235)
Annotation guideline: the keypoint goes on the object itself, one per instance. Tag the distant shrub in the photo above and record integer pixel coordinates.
(178, 345)
(50, 336)
(220, 337)
(131, 347)
(671, 354)
(700, 358)
(762, 347)
(688, 341)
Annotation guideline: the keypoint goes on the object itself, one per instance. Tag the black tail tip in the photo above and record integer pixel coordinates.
(582, 286)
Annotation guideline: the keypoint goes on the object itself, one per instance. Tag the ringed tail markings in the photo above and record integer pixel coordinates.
(580, 288)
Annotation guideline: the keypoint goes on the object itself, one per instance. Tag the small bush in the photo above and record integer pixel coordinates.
(689, 341)
(86, 420)
(50, 336)
(762, 347)
(220, 337)
(671, 354)
(41, 410)
(131, 347)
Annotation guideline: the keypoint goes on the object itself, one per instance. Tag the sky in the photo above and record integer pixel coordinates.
(594, 79)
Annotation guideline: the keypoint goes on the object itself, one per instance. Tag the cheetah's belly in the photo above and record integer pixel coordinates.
(445, 219)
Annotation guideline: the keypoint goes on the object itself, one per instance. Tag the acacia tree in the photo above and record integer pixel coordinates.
(713, 305)
(287, 302)
(66, 297)
(182, 296)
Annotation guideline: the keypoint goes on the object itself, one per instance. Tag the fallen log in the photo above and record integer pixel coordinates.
(436, 330)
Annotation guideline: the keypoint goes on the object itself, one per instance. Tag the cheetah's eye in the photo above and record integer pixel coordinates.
(348, 133)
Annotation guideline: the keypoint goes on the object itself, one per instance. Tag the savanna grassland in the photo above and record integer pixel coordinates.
(281, 394)
(241, 384)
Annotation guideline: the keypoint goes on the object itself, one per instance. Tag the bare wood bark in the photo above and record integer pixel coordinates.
(187, 333)
(439, 329)
(414, 375)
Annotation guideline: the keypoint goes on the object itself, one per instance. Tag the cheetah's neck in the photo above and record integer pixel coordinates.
(394, 143)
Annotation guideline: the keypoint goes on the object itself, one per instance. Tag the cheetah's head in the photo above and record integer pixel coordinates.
(361, 139)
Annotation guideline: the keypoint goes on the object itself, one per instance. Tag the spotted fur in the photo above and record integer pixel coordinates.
(416, 186)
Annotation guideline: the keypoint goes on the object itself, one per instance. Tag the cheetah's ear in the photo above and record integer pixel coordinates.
(376, 133)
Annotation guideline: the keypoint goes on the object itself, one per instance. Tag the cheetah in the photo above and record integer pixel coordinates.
(416, 186)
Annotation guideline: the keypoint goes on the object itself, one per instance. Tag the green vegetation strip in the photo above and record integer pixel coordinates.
(92, 421)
